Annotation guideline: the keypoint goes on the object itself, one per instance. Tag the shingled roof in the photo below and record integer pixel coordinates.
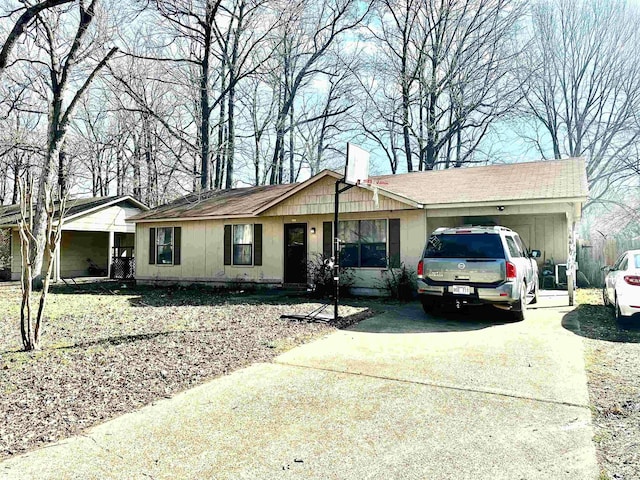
(234, 202)
(553, 180)
(542, 180)
(10, 214)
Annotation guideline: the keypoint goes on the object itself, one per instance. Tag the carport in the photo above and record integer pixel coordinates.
(542, 201)
(96, 240)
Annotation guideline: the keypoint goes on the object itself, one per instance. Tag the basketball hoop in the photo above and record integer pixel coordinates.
(357, 167)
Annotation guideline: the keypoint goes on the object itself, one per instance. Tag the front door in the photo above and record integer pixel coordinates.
(295, 253)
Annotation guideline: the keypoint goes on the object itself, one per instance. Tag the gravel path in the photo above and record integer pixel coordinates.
(107, 351)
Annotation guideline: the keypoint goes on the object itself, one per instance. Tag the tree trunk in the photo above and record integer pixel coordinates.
(205, 110)
(291, 146)
(55, 139)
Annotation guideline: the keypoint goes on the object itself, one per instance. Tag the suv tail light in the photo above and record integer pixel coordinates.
(632, 279)
(511, 271)
(420, 269)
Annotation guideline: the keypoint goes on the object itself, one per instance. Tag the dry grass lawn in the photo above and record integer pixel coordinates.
(613, 368)
(108, 349)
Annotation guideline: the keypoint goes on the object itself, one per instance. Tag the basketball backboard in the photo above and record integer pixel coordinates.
(357, 168)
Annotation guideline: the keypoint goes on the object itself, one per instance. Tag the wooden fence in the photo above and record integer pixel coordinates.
(600, 252)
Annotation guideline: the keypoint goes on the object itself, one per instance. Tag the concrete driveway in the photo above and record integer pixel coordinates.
(399, 396)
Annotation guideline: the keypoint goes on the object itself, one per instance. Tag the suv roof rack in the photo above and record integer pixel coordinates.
(473, 229)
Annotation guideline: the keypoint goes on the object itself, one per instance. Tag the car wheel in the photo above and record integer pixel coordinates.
(536, 287)
(520, 308)
(605, 298)
(619, 317)
(428, 305)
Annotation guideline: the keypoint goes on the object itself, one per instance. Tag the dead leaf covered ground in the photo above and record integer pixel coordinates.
(612, 354)
(108, 349)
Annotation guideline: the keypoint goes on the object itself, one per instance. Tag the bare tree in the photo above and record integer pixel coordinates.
(30, 320)
(308, 33)
(216, 41)
(582, 84)
(26, 18)
(443, 76)
(60, 114)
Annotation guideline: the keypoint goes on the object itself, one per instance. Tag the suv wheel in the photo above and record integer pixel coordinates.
(428, 305)
(520, 307)
(536, 287)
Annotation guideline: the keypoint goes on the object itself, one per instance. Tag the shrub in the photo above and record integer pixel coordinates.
(320, 275)
(400, 282)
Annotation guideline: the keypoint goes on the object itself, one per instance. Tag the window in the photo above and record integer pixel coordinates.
(364, 243)
(637, 260)
(513, 249)
(618, 264)
(464, 245)
(624, 264)
(164, 246)
(243, 244)
(521, 246)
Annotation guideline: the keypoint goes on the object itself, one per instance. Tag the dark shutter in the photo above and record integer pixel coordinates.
(257, 244)
(227, 244)
(177, 244)
(327, 239)
(152, 246)
(394, 242)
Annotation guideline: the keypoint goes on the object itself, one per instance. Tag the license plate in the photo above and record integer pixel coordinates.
(461, 290)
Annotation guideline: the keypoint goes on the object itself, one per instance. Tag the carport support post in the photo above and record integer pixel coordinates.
(110, 254)
(56, 261)
(571, 260)
(336, 251)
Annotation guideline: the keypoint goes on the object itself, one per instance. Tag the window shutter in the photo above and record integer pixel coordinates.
(257, 244)
(152, 246)
(177, 245)
(227, 244)
(394, 242)
(327, 239)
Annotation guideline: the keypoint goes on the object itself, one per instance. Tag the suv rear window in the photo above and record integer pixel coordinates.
(464, 245)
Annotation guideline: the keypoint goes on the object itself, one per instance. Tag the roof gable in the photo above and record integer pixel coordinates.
(318, 198)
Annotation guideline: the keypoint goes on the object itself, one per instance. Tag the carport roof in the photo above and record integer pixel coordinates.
(541, 180)
(10, 215)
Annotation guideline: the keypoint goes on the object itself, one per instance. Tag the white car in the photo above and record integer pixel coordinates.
(622, 285)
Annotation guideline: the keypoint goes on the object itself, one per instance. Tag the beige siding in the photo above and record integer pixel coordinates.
(16, 255)
(202, 253)
(202, 242)
(108, 219)
(318, 199)
(202, 248)
(77, 247)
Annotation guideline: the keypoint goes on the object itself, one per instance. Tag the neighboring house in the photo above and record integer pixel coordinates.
(267, 234)
(95, 238)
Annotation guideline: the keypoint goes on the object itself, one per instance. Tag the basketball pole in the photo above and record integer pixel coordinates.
(336, 243)
(356, 169)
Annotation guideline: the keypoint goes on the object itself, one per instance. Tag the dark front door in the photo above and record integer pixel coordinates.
(295, 253)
